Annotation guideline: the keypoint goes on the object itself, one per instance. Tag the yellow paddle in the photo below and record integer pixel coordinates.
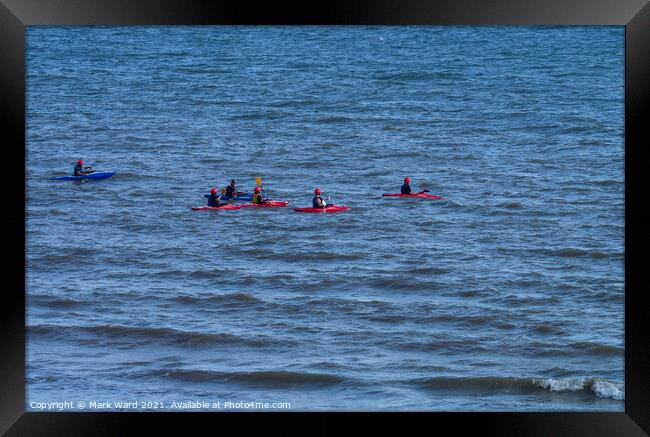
(258, 181)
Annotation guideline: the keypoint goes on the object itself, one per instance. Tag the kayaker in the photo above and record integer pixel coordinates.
(257, 197)
(317, 201)
(215, 198)
(231, 190)
(80, 170)
(406, 187)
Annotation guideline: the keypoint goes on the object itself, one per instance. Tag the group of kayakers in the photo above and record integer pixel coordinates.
(231, 191)
(215, 198)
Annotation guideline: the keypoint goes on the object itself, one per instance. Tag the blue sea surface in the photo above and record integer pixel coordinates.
(505, 295)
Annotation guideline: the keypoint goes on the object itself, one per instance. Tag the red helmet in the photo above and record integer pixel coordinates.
(213, 190)
(407, 179)
(317, 191)
(80, 162)
(258, 189)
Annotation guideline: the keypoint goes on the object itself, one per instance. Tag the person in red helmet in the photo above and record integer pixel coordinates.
(80, 170)
(406, 187)
(215, 198)
(317, 201)
(257, 196)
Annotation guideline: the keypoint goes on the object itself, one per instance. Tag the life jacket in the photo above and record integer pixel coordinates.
(314, 202)
(214, 199)
(406, 188)
(257, 198)
(78, 168)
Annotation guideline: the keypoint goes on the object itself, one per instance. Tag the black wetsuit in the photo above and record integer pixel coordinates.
(231, 191)
(214, 200)
(80, 170)
(314, 202)
(406, 188)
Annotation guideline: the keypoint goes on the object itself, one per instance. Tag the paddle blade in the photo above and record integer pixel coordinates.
(258, 181)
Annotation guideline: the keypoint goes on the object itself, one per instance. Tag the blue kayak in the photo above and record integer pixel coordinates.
(95, 175)
(246, 197)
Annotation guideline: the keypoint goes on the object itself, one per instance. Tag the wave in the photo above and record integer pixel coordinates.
(437, 319)
(472, 293)
(471, 320)
(40, 379)
(415, 76)
(540, 348)
(541, 161)
(597, 348)
(571, 252)
(53, 302)
(524, 283)
(604, 296)
(140, 177)
(78, 255)
(403, 154)
(267, 379)
(426, 270)
(574, 130)
(155, 335)
(404, 283)
(207, 274)
(598, 386)
(221, 298)
(608, 182)
(334, 119)
(489, 384)
(268, 115)
(387, 318)
(444, 347)
(546, 328)
(299, 256)
(294, 103)
(511, 205)
(598, 254)
(568, 252)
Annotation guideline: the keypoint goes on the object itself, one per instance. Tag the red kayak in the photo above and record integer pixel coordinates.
(331, 208)
(420, 195)
(214, 208)
(267, 204)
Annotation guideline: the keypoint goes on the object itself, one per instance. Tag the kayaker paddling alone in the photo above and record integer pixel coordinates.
(317, 201)
(406, 187)
(406, 191)
(80, 170)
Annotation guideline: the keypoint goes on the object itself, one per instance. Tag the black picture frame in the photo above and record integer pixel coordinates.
(633, 14)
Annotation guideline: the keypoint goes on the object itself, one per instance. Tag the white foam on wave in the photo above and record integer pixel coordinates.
(561, 384)
(600, 387)
(606, 389)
